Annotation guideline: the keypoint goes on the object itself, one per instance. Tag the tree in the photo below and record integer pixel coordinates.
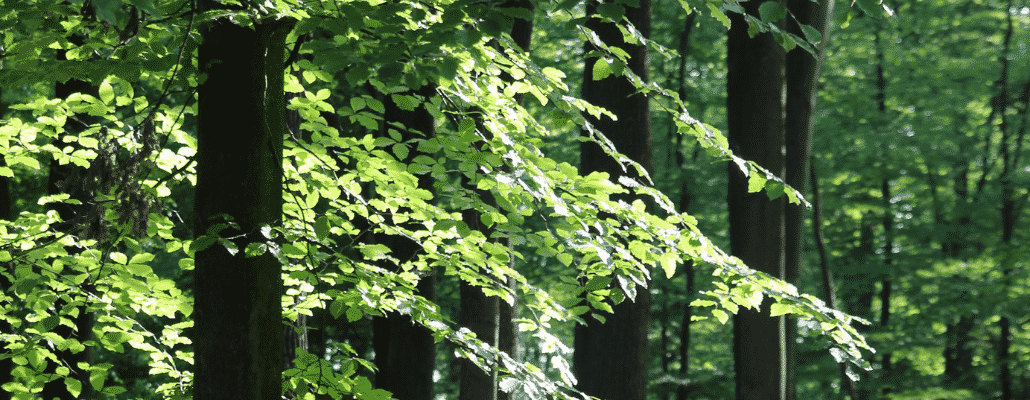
(238, 336)
(405, 351)
(754, 108)
(283, 217)
(611, 357)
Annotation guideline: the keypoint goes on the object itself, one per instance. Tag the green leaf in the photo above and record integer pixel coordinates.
(779, 309)
(74, 386)
(598, 283)
(321, 227)
(357, 103)
(119, 258)
(354, 314)
(565, 259)
(721, 315)
(108, 10)
(601, 69)
(611, 11)
(756, 183)
(772, 11)
(106, 92)
(719, 15)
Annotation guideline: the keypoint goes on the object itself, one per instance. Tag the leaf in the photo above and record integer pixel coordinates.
(321, 227)
(756, 183)
(601, 69)
(721, 315)
(772, 11)
(119, 258)
(553, 74)
(108, 10)
(229, 246)
(611, 11)
(106, 92)
(202, 243)
(779, 309)
(148, 7)
(354, 314)
(74, 386)
(719, 15)
(357, 103)
(598, 283)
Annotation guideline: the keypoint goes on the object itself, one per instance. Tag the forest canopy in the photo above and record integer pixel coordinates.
(322, 175)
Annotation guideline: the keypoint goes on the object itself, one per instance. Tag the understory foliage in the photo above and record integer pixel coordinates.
(130, 264)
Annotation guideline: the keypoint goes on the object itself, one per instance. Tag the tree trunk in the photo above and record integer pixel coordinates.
(754, 108)
(611, 359)
(238, 336)
(829, 292)
(406, 352)
(802, 76)
(686, 196)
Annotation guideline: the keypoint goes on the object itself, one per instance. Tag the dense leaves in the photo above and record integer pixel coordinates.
(342, 182)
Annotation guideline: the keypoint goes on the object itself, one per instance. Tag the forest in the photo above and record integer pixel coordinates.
(514, 199)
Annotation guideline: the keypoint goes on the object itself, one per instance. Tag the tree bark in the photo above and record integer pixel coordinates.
(611, 359)
(406, 352)
(238, 336)
(754, 108)
(802, 77)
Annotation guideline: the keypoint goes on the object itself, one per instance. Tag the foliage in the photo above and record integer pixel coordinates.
(341, 181)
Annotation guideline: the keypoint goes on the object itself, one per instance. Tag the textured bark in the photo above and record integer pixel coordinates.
(480, 314)
(238, 337)
(406, 352)
(802, 76)
(754, 108)
(686, 197)
(611, 359)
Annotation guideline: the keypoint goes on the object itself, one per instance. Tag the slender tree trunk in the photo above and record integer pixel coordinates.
(754, 108)
(686, 196)
(802, 76)
(829, 292)
(508, 314)
(611, 359)
(238, 336)
(406, 352)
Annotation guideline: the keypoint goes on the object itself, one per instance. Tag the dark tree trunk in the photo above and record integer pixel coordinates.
(802, 76)
(611, 359)
(238, 336)
(686, 196)
(480, 314)
(406, 352)
(754, 108)
(508, 314)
